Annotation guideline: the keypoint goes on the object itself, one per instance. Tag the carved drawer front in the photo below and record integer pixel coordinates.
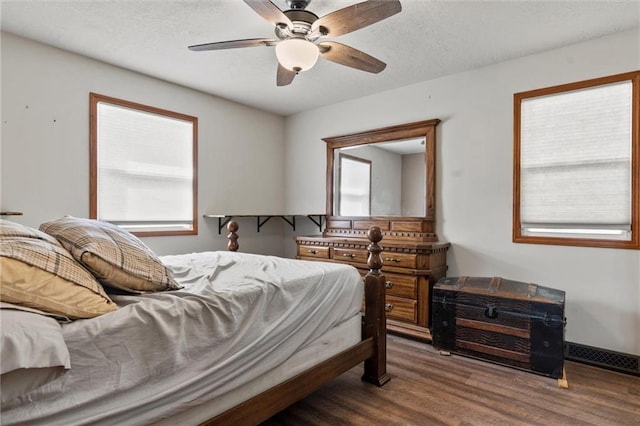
(400, 260)
(401, 285)
(313, 251)
(350, 255)
(402, 309)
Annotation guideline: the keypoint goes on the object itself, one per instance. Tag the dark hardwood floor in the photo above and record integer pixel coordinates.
(431, 389)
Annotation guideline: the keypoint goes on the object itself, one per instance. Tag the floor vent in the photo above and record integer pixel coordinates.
(624, 363)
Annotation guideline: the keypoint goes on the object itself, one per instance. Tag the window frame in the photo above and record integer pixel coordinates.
(634, 241)
(94, 100)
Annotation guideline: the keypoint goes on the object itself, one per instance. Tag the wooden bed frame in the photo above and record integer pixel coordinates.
(372, 349)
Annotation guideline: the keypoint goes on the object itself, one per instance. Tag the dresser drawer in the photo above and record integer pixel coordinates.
(401, 285)
(400, 260)
(350, 255)
(402, 309)
(313, 251)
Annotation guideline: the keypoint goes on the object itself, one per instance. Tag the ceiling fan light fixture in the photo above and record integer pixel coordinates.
(297, 54)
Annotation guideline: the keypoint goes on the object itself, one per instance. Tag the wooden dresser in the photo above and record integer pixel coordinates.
(413, 259)
(412, 263)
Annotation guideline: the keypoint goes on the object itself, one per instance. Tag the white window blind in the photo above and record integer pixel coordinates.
(145, 169)
(575, 165)
(355, 187)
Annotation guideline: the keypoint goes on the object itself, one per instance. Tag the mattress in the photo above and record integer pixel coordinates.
(334, 341)
(238, 317)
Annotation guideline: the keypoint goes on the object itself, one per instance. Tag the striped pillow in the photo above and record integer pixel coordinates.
(116, 257)
(37, 272)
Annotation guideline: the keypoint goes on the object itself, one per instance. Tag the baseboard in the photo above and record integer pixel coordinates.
(617, 361)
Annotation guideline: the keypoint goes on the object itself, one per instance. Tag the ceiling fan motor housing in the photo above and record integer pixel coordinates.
(301, 20)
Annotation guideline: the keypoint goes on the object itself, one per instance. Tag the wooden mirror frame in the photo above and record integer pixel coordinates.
(426, 129)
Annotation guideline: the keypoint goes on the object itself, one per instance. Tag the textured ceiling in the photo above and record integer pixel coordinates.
(428, 39)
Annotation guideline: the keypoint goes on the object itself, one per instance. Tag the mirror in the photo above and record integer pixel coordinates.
(383, 172)
(381, 179)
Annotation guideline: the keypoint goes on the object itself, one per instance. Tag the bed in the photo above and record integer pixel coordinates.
(221, 338)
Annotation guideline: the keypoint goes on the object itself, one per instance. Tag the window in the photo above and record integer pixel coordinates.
(143, 167)
(354, 197)
(576, 163)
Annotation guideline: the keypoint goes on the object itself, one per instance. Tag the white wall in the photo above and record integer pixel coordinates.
(45, 145)
(474, 180)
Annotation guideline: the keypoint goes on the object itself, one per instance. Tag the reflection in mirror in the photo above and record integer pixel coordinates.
(354, 185)
(410, 192)
(381, 179)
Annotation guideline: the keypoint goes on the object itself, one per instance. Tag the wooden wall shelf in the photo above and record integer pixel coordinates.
(261, 219)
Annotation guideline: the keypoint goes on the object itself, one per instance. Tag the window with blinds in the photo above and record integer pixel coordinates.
(576, 163)
(354, 196)
(143, 163)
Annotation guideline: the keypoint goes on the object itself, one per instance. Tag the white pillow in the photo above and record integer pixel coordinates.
(32, 352)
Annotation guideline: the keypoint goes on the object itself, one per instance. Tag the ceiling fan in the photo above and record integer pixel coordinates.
(298, 31)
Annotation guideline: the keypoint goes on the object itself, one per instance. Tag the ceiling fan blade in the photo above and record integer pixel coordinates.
(285, 76)
(232, 44)
(269, 11)
(357, 16)
(346, 55)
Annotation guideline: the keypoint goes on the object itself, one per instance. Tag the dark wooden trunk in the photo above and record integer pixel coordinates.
(508, 322)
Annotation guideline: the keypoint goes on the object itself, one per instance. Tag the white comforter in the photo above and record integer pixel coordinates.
(238, 316)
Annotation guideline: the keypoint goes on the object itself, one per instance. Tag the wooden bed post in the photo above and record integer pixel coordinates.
(232, 227)
(375, 322)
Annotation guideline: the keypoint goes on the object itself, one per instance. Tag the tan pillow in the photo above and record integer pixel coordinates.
(37, 272)
(115, 256)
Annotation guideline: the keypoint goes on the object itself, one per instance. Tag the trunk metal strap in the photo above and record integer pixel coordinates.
(461, 281)
(494, 285)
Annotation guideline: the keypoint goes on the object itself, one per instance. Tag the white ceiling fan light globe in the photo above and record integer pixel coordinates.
(297, 54)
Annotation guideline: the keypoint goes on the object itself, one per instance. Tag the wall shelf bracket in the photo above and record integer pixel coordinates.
(318, 222)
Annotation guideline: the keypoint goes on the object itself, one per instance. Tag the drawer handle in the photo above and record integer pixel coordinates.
(349, 255)
(392, 259)
(312, 251)
(388, 284)
(388, 307)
